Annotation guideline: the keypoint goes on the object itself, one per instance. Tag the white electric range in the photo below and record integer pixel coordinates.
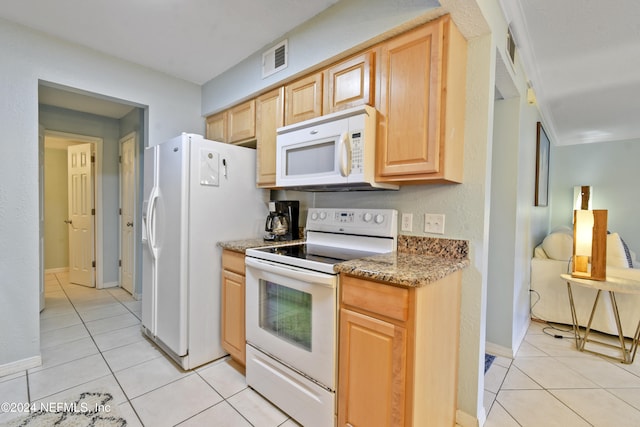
(292, 308)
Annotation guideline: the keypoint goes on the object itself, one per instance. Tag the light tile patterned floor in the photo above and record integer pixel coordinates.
(550, 383)
(91, 340)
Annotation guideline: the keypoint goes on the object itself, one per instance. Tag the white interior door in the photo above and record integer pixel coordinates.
(81, 215)
(128, 209)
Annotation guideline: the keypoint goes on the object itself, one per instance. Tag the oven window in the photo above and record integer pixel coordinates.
(312, 159)
(286, 313)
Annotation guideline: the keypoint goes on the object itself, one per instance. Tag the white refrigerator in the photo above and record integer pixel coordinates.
(196, 193)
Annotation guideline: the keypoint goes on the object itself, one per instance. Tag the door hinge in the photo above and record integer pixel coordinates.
(119, 159)
(119, 263)
(93, 264)
(120, 211)
(93, 158)
(93, 211)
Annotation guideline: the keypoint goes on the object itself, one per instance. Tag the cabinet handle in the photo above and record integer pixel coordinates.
(345, 154)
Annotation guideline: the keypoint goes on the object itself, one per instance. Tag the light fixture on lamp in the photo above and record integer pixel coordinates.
(589, 244)
(582, 197)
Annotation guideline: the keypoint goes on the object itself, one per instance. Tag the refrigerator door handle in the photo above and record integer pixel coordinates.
(151, 222)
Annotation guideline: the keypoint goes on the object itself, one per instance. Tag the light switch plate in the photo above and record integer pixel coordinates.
(434, 223)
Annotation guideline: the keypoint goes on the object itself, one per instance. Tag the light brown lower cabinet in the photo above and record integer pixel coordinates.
(398, 353)
(233, 297)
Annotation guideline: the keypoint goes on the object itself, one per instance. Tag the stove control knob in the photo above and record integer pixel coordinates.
(314, 216)
(323, 215)
(379, 219)
(367, 217)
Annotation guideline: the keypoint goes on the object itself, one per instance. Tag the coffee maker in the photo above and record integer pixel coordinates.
(282, 221)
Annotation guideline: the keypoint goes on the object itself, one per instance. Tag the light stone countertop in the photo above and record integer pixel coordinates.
(258, 242)
(417, 262)
(402, 269)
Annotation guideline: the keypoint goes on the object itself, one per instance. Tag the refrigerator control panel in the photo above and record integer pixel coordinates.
(209, 168)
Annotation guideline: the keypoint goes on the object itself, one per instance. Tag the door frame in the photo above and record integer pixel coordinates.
(136, 193)
(98, 146)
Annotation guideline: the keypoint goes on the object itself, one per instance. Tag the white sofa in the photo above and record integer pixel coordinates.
(550, 298)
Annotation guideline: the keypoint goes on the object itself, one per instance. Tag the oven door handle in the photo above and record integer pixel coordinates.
(303, 275)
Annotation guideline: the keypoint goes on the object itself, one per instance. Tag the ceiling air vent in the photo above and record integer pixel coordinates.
(275, 59)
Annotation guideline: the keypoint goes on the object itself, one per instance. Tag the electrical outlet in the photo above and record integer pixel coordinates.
(434, 223)
(407, 222)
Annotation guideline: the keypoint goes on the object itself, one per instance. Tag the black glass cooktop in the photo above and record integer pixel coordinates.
(318, 253)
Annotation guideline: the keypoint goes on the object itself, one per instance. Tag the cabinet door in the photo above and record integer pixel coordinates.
(409, 104)
(242, 122)
(269, 117)
(303, 99)
(348, 83)
(233, 323)
(372, 371)
(217, 127)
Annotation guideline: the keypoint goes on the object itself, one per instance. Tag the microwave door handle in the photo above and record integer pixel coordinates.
(345, 154)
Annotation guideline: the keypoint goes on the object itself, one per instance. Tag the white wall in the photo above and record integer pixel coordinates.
(502, 228)
(27, 56)
(516, 225)
(612, 169)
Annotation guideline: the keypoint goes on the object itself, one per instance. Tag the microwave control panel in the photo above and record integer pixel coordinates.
(357, 152)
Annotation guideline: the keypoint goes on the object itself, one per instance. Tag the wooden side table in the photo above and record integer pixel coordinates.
(612, 285)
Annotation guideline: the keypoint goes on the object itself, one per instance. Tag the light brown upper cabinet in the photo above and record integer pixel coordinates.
(421, 101)
(269, 117)
(303, 99)
(242, 122)
(349, 83)
(217, 127)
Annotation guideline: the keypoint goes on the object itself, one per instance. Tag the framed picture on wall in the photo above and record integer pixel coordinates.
(542, 167)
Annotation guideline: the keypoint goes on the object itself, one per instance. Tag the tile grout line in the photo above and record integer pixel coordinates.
(112, 373)
(149, 391)
(549, 392)
(99, 350)
(224, 399)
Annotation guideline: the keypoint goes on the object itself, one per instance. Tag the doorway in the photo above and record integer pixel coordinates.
(74, 112)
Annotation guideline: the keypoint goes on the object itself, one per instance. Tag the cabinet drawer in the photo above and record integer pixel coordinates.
(233, 261)
(377, 298)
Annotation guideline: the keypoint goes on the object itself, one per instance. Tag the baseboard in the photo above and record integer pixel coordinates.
(20, 365)
(465, 420)
(110, 285)
(498, 350)
(56, 270)
(521, 336)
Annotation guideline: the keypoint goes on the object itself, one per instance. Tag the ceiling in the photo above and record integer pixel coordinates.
(582, 58)
(194, 40)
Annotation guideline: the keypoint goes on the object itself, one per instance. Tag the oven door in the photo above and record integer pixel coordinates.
(291, 316)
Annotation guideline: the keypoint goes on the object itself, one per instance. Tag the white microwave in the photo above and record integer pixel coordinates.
(333, 152)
